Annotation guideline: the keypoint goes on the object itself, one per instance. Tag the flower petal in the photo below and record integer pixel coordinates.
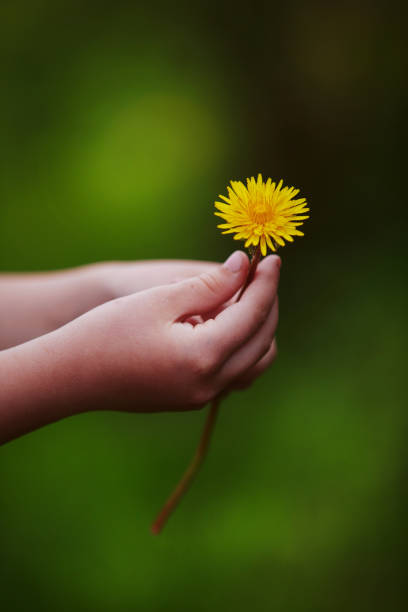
(263, 213)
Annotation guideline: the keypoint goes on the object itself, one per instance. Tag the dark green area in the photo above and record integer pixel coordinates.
(120, 124)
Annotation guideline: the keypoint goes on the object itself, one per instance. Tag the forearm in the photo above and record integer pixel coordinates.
(36, 386)
(34, 304)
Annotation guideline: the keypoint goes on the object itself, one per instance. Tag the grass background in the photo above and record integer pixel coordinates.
(120, 124)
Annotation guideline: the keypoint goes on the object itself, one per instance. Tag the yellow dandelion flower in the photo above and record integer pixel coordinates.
(262, 214)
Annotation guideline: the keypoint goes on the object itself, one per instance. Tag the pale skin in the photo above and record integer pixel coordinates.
(142, 337)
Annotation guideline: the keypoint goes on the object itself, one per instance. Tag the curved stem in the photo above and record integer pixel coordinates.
(202, 448)
(192, 469)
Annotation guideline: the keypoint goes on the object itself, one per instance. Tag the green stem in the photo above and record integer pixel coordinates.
(190, 472)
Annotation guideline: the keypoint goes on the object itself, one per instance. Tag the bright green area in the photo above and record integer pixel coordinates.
(119, 126)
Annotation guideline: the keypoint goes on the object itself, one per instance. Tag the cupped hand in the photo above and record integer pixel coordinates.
(141, 352)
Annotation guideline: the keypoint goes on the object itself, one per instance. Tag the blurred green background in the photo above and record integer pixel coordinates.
(120, 124)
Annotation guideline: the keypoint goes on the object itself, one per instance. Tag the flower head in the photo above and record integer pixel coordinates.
(263, 214)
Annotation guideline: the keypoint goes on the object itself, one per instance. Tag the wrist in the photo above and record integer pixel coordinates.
(90, 286)
(36, 386)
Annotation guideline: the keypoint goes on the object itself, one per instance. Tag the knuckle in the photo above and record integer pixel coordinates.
(202, 363)
(210, 282)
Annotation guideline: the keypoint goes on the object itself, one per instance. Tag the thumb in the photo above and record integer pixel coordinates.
(200, 294)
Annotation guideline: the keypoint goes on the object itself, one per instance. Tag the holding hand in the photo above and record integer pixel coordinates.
(171, 347)
(147, 352)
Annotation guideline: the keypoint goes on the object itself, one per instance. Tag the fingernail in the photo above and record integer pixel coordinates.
(234, 262)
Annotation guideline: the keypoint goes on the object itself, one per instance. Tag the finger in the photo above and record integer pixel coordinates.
(209, 290)
(180, 271)
(212, 314)
(246, 379)
(216, 311)
(251, 352)
(236, 324)
(129, 277)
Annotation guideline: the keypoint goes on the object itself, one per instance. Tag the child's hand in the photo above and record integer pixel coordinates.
(141, 353)
(174, 347)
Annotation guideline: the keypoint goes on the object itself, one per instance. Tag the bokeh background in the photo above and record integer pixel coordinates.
(120, 123)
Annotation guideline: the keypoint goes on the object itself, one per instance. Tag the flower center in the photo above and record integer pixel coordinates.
(261, 212)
